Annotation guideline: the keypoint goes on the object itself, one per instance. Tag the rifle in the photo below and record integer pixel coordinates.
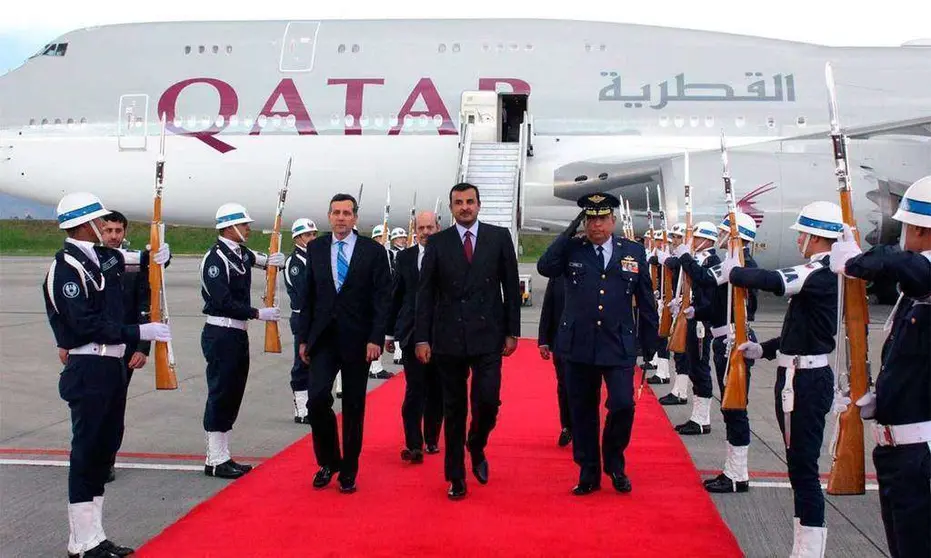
(848, 474)
(680, 324)
(384, 225)
(735, 383)
(654, 272)
(665, 321)
(412, 224)
(272, 337)
(165, 377)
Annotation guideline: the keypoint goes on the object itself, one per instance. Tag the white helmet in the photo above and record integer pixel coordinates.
(705, 229)
(658, 234)
(398, 232)
(915, 207)
(678, 229)
(820, 218)
(378, 230)
(79, 208)
(231, 214)
(301, 226)
(746, 226)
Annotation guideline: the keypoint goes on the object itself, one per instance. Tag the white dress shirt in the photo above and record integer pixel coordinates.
(350, 241)
(232, 245)
(420, 249)
(473, 229)
(87, 248)
(608, 249)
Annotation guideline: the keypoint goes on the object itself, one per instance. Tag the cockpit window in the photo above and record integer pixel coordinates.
(54, 49)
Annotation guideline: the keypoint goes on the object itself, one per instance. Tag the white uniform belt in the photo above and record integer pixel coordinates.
(801, 361)
(720, 331)
(902, 434)
(295, 311)
(226, 322)
(115, 351)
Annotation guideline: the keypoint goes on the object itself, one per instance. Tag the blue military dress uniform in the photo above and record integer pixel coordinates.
(903, 397)
(296, 284)
(597, 338)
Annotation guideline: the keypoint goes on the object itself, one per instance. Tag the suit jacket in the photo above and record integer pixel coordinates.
(404, 297)
(554, 300)
(359, 310)
(460, 309)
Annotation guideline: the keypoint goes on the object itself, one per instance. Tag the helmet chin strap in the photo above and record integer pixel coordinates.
(96, 232)
(903, 237)
(805, 245)
(239, 234)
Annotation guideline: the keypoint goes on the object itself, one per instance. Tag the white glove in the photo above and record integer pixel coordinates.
(840, 403)
(276, 259)
(867, 405)
(662, 256)
(729, 263)
(272, 314)
(161, 255)
(689, 313)
(154, 331)
(751, 350)
(843, 250)
(680, 250)
(674, 306)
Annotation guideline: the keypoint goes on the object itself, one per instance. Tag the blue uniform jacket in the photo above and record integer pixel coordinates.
(226, 283)
(903, 386)
(597, 325)
(295, 281)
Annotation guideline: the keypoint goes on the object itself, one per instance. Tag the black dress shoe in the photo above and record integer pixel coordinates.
(480, 470)
(116, 549)
(323, 477)
(431, 449)
(584, 488)
(648, 366)
(412, 456)
(457, 489)
(298, 420)
(722, 484)
(565, 438)
(621, 482)
(706, 482)
(347, 483)
(672, 399)
(306, 419)
(692, 428)
(654, 379)
(112, 476)
(384, 375)
(227, 470)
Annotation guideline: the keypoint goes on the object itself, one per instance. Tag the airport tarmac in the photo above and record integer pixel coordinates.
(160, 467)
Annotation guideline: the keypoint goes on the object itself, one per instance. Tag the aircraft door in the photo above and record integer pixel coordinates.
(132, 128)
(513, 108)
(298, 47)
(480, 108)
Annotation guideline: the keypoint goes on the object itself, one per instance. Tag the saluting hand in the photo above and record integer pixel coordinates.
(510, 345)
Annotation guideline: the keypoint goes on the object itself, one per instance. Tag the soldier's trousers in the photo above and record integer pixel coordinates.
(904, 474)
(736, 423)
(300, 372)
(226, 350)
(814, 395)
(422, 409)
(662, 349)
(95, 389)
(562, 395)
(584, 386)
(698, 354)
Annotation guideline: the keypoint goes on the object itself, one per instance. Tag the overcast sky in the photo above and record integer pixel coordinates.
(29, 25)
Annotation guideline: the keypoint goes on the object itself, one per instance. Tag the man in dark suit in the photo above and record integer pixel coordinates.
(343, 327)
(422, 410)
(464, 323)
(553, 303)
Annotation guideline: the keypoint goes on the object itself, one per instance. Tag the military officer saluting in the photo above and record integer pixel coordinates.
(84, 301)
(302, 231)
(804, 379)
(226, 282)
(901, 404)
(604, 276)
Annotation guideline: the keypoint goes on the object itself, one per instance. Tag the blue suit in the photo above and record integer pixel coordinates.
(597, 337)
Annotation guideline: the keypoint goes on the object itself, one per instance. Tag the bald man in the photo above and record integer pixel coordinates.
(422, 410)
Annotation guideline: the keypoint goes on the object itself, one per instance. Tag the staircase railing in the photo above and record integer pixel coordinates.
(465, 151)
(517, 213)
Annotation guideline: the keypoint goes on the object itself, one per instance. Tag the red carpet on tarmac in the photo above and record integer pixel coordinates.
(526, 509)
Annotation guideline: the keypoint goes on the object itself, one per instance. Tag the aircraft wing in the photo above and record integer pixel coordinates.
(920, 126)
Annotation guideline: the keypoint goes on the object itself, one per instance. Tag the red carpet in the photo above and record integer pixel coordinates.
(525, 510)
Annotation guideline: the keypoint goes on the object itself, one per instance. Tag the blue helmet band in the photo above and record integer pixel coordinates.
(80, 212)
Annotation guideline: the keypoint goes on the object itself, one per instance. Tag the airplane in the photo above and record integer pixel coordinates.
(573, 106)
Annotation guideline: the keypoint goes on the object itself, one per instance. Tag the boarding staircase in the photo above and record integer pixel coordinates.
(497, 169)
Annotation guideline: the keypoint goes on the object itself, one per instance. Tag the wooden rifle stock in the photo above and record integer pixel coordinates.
(677, 340)
(665, 313)
(272, 336)
(848, 470)
(165, 377)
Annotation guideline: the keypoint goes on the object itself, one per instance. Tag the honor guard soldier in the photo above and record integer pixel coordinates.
(302, 231)
(604, 276)
(376, 370)
(804, 388)
(550, 315)
(901, 404)
(83, 294)
(697, 341)
(226, 283)
(679, 394)
(398, 244)
(735, 476)
(660, 361)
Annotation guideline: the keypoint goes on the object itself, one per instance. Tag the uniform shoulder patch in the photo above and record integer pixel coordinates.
(213, 271)
(70, 289)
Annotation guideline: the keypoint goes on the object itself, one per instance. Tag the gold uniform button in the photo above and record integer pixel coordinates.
(600, 307)
(602, 291)
(604, 276)
(599, 322)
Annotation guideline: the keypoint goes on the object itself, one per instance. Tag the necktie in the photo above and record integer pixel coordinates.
(601, 256)
(467, 244)
(342, 266)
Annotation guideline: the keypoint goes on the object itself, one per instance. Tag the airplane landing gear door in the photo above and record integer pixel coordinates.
(298, 47)
(133, 120)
